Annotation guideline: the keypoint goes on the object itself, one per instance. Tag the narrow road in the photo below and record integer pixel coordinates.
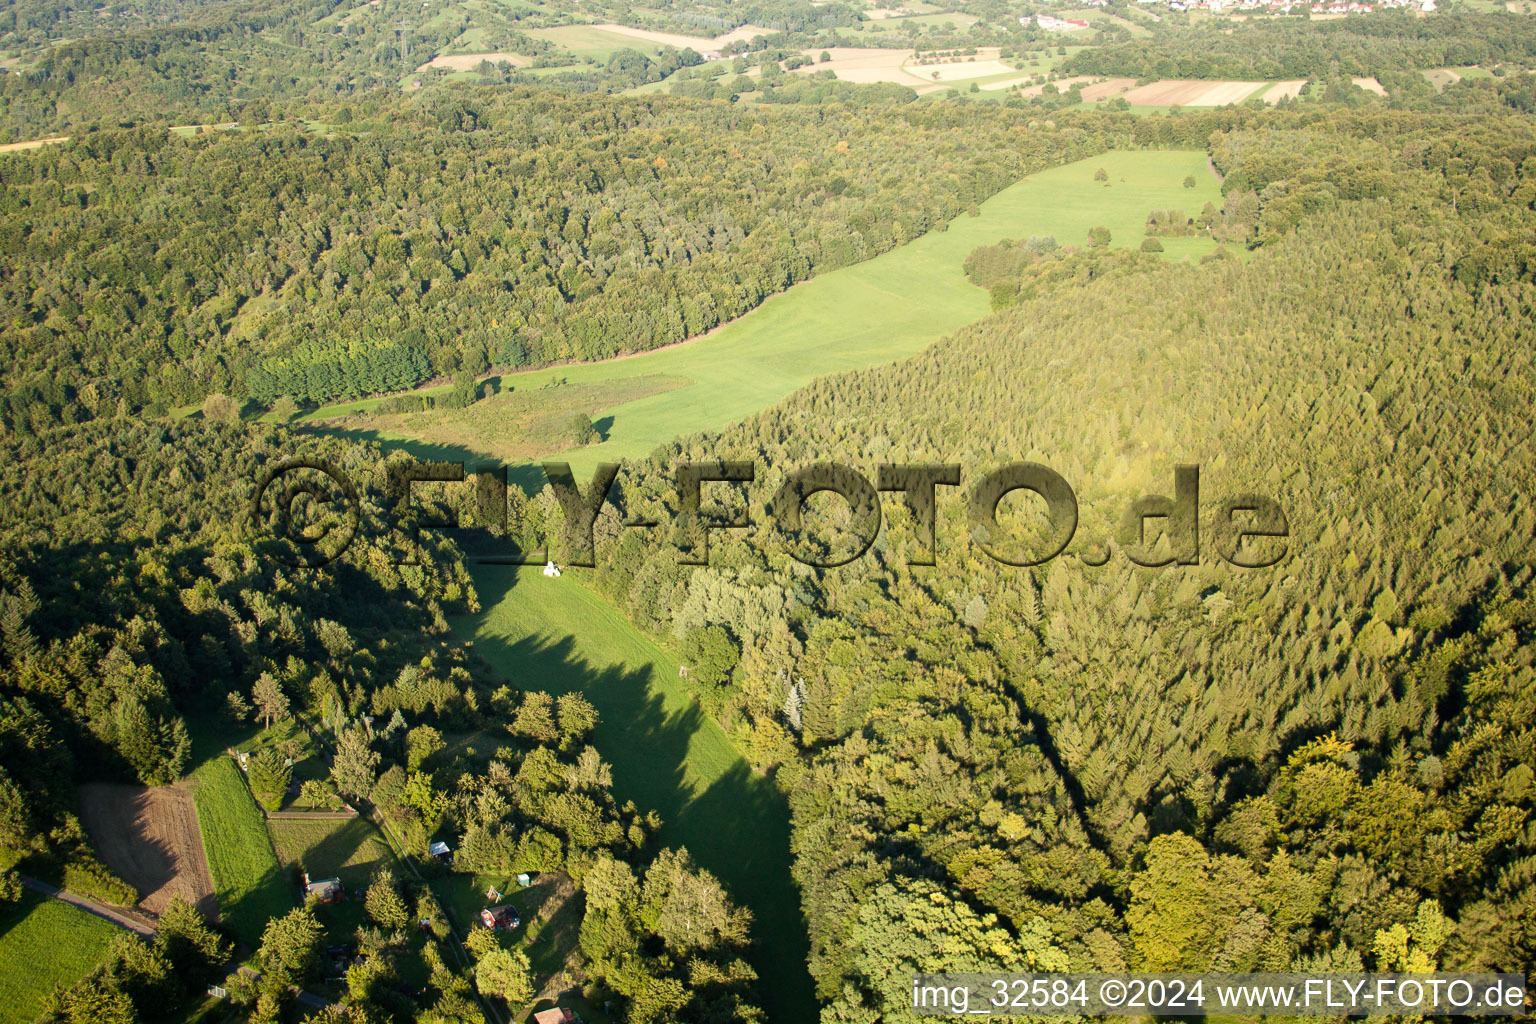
(145, 930)
(90, 906)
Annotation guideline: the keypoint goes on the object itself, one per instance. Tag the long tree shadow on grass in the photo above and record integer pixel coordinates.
(736, 824)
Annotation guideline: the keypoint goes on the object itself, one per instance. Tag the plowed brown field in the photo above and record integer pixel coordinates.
(150, 838)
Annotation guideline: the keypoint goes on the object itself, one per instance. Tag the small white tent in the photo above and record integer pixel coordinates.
(550, 570)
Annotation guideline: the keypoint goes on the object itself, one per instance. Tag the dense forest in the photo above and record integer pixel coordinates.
(1227, 769)
(1286, 48)
(1095, 763)
(162, 617)
(519, 228)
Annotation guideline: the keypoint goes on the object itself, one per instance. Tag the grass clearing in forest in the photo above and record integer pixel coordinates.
(591, 41)
(349, 849)
(45, 943)
(515, 425)
(667, 754)
(883, 309)
(248, 882)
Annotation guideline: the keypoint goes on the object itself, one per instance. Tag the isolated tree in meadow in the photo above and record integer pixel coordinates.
(1101, 175)
(582, 430)
(221, 408)
(505, 974)
(383, 903)
(270, 701)
(1150, 244)
(290, 946)
(355, 764)
(312, 794)
(270, 775)
(1099, 237)
(824, 57)
(285, 408)
(1189, 181)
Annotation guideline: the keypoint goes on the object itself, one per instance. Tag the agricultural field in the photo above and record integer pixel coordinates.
(470, 61)
(149, 837)
(1442, 77)
(249, 884)
(943, 18)
(1286, 90)
(1100, 89)
(558, 636)
(1098, 18)
(902, 10)
(44, 944)
(17, 147)
(1192, 94)
(700, 43)
(873, 64)
(601, 41)
(873, 312)
(586, 40)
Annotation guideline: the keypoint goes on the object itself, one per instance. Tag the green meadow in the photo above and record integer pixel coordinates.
(667, 755)
(45, 943)
(877, 311)
(591, 41)
(247, 879)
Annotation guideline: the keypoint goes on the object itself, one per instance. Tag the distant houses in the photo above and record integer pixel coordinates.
(1050, 24)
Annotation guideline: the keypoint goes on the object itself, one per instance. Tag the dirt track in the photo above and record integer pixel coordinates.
(150, 838)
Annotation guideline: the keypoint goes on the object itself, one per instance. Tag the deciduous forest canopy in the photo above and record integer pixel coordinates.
(1328, 764)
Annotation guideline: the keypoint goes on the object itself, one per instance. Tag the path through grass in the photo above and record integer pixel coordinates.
(556, 635)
